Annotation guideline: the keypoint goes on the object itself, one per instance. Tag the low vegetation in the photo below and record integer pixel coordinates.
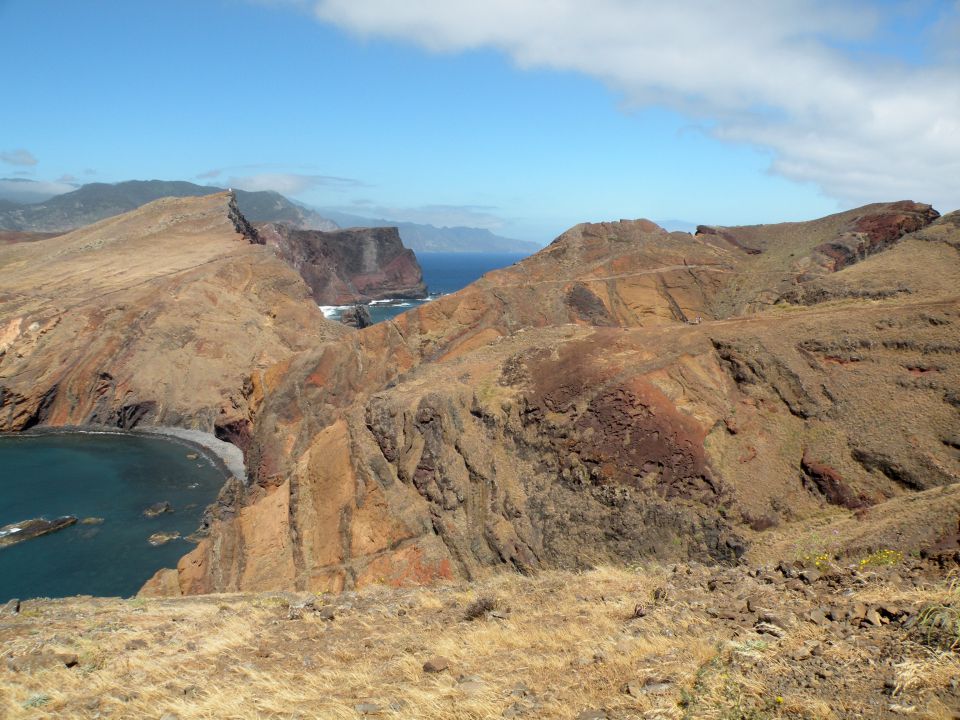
(708, 643)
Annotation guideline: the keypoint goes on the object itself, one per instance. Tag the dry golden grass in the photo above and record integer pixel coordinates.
(566, 643)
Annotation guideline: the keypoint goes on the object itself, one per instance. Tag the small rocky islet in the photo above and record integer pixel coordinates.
(163, 537)
(29, 529)
(157, 509)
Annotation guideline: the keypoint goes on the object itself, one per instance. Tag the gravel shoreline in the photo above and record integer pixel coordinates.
(228, 455)
(229, 458)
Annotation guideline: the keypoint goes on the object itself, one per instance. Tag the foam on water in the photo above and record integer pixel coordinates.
(332, 311)
(444, 273)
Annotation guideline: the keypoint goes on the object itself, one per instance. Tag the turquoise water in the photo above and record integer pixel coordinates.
(114, 477)
(443, 273)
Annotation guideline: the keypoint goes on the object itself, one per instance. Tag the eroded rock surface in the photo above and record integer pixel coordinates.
(29, 529)
(168, 315)
(626, 393)
(349, 266)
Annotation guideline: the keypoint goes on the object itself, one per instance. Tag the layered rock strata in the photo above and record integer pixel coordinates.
(169, 315)
(626, 393)
(342, 267)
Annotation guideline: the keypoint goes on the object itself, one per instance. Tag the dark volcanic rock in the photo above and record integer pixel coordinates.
(831, 484)
(875, 232)
(729, 237)
(29, 529)
(358, 316)
(588, 306)
(436, 664)
(347, 266)
(158, 509)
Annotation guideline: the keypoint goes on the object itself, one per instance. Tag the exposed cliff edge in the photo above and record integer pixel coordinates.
(348, 266)
(168, 315)
(626, 393)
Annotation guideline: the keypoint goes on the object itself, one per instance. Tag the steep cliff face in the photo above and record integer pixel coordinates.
(626, 393)
(348, 266)
(162, 316)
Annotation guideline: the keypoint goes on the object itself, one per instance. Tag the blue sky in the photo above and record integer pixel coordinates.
(524, 117)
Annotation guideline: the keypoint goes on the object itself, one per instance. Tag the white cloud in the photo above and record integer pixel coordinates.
(18, 157)
(290, 183)
(765, 73)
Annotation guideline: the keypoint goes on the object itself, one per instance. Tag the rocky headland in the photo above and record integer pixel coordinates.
(171, 315)
(355, 265)
(626, 394)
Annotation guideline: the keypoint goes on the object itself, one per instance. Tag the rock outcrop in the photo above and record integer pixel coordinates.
(169, 315)
(626, 393)
(357, 317)
(34, 528)
(349, 266)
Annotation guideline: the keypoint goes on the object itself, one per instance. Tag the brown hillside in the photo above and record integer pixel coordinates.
(571, 409)
(156, 317)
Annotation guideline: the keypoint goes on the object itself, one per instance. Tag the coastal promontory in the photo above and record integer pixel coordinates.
(168, 315)
(626, 394)
(348, 266)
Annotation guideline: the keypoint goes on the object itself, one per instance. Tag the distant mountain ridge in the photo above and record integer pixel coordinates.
(96, 201)
(428, 238)
(93, 202)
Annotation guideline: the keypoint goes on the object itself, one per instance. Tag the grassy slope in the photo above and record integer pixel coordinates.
(566, 643)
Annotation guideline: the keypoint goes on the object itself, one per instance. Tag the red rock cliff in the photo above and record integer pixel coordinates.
(626, 393)
(348, 266)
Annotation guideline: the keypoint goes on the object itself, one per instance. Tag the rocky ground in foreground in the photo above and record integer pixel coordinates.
(877, 639)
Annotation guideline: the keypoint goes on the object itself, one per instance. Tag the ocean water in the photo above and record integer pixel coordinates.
(443, 273)
(110, 476)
